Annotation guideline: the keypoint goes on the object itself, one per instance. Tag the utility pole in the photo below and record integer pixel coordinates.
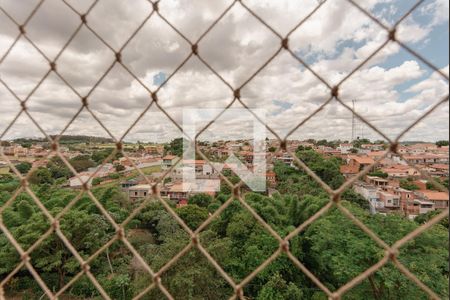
(354, 121)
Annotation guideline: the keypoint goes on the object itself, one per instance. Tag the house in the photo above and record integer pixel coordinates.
(400, 171)
(421, 148)
(377, 181)
(391, 201)
(420, 207)
(128, 184)
(78, 182)
(375, 155)
(440, 199)
(271, 178)
(168, 161)
(139, 192)
(285, 158)
(372, 147)
(439, 170)
(427, 159)
(345, 148)
(154, 150)
(370, 193)
(349, 171)
(360, 162)
(177, 191)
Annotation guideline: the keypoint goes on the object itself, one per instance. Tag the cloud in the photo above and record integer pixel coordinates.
(333, 42)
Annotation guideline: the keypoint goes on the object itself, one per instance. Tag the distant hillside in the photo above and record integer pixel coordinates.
(68, 139)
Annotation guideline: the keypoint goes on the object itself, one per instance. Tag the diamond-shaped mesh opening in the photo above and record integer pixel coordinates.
(282, 279)
(335, 56)
(156, 235)
(320, 247)
(41, 104)
(22, 75)
(51, 42)
(418, 38)
(412, 88)
(78, 70)
(206, 12)
(117, 269)
(24, 219)
(127, 18)
(425, 257)
(239, 44)
(22, 285)
(168, 50)
(247, 244)
(85, 226)
(55, 276)
(235, 33)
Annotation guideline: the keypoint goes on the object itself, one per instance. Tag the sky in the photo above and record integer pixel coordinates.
(391, 91)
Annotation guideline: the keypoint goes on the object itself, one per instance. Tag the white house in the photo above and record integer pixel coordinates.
(77, 182)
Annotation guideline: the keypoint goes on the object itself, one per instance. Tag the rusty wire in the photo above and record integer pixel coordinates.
(391, 252)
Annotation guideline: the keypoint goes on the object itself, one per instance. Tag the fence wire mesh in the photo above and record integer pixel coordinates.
(391, 252)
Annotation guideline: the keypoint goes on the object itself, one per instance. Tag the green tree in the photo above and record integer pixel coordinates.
(41, 176)
(201, 200)
(24, 167)
(379, 173)
(175, 147)
(442, 143)
(338, 258)
(192, 215)
(278, 289)
(409, 185)
(82, 163)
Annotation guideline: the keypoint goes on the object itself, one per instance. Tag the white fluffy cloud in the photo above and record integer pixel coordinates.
(392, 90)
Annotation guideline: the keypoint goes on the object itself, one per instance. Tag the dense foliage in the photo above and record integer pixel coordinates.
(333, 248)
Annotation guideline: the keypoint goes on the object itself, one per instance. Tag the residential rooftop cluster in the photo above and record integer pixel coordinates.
(393, 184)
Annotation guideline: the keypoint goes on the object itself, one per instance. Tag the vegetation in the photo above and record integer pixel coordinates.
(408, 184)
(332, 247)
(24, 167)
(442, 143)
(380, 174)
(175, 147)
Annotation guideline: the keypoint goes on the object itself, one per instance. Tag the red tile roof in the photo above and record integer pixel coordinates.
(363, 160)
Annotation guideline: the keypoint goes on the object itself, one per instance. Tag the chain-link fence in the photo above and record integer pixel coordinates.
(391, 252)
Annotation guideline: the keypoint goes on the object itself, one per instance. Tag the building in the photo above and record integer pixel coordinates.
(360, 162)
(439, 199)
(370, 193)
(373, 147)
(177, 191)
(139, 192)
(286, 159)
(128, 184)
(271, 178)
(154, 150)
(345, 148)
(377, 181)
(420, 207)
(400, 171)
(168, 161)
(78, 182)
(439, 170)
(391, 201)
(427, 159)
